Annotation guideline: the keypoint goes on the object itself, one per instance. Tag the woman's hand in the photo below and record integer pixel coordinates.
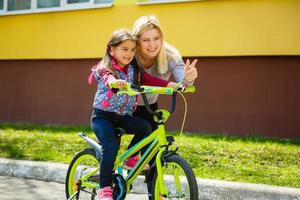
(190, 71)
(172, 85)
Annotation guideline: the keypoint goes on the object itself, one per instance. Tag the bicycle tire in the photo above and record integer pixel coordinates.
(83, 162)
(176, 167)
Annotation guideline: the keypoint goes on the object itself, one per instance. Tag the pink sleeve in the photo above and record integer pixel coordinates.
(106, 76)
(148, 79)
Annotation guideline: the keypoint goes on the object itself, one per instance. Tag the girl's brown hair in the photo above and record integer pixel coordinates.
(118, 37)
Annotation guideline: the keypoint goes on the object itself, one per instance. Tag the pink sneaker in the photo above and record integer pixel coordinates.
(105, 193)
(130, 163)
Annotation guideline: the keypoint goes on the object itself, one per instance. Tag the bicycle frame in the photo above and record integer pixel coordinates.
(158, 144)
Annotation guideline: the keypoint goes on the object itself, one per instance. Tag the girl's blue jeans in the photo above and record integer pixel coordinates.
(103, 124)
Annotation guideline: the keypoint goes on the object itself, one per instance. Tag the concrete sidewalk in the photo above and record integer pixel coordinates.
(16, 188)
(208, 189)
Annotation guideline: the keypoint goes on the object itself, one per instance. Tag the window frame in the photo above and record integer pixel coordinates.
(64, 6)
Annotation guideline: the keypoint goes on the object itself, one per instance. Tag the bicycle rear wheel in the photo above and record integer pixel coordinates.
(83, 163)
(179, 179)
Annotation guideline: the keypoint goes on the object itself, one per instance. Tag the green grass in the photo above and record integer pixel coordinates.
(243, 159)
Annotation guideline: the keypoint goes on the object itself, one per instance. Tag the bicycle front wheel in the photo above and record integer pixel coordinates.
(82, 176)
(179, 179)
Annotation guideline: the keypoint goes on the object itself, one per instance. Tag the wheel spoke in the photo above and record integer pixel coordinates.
(179, 179)
(81, 175)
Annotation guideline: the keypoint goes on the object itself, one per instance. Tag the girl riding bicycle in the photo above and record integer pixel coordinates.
(110, 109)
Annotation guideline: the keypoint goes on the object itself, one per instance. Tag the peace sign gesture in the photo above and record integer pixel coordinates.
(190, 71)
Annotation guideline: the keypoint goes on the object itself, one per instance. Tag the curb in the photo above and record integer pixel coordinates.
(208, 189)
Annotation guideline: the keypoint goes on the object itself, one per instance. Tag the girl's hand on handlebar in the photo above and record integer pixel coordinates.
(119, 83)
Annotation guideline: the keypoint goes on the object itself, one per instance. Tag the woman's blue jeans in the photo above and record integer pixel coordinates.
(103, 124)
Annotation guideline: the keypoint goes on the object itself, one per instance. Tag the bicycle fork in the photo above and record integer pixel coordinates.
(161, 155)
(159, 168)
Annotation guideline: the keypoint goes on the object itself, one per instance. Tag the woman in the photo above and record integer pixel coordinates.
(159, 59)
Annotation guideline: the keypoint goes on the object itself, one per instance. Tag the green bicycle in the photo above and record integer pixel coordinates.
(171, 176)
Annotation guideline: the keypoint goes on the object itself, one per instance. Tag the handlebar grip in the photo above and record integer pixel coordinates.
(127, 87)
(114, 85)
(190, 89)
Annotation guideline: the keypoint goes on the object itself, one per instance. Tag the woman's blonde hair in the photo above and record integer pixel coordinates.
(118, 37)
(167, 51)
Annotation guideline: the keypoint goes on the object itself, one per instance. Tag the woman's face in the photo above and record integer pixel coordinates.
(150, 43)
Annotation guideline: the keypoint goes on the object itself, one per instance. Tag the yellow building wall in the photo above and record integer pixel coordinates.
(202, 28)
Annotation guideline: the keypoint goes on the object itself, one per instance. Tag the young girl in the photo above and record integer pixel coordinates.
(111, 109)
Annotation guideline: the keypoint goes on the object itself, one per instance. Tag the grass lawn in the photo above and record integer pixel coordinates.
(243, 159)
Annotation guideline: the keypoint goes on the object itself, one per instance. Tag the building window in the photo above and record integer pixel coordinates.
(18, 5)
(77, 1)
(1, 4)
(48, 3)
(11, 7)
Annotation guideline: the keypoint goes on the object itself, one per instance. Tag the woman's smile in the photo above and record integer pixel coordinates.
(150, 43)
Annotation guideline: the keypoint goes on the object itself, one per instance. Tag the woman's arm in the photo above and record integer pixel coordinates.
(148, 79)
(154, 81)
(185, 73)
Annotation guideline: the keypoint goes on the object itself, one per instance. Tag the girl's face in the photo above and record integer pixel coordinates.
(124, 52)
(150, 43)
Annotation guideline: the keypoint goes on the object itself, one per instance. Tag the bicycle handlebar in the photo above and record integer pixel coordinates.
(133, 90)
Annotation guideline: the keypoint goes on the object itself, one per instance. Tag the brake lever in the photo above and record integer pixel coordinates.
(180, 87)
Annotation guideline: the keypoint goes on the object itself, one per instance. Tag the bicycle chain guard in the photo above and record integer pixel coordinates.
(119, 187)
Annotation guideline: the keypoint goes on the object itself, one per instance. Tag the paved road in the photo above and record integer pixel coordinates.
(12, 188)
